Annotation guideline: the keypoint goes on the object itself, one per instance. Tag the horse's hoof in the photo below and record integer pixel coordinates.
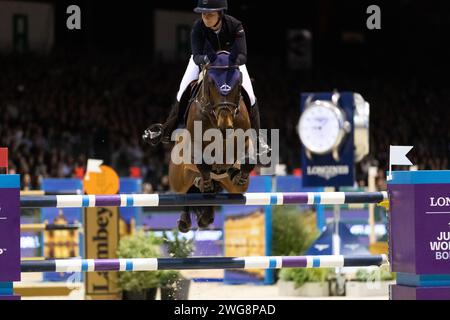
(205, 216)
(184, 223)
(183, 226)
(204, 222)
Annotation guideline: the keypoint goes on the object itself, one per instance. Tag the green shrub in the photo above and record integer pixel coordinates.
(362, 275)
(140, 245)
(380, 274)
(178, 247)
(293, 232)
(302, 275)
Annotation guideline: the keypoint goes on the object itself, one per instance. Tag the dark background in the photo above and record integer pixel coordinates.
(412, 32)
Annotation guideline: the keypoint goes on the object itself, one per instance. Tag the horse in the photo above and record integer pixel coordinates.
(218, 102)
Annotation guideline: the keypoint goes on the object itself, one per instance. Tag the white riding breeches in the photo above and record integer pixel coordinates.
(192, 73)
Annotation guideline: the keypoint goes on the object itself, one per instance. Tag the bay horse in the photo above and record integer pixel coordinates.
(217, 103)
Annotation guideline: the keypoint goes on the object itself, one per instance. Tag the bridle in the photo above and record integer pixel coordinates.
(213, 110)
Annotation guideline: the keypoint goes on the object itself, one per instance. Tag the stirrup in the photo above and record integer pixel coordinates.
(153, 135)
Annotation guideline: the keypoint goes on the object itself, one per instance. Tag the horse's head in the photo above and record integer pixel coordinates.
(222, 84)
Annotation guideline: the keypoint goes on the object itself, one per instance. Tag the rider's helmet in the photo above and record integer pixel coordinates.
(205, 6)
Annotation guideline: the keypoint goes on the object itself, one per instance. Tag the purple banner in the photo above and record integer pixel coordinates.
(419, 293)
(433, 228)
(9, 234)
(9, 298)
(420, 228)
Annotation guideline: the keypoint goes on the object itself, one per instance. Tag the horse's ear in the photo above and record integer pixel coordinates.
(241, 77)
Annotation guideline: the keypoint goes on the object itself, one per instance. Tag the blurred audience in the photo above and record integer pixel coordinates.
(57, 111)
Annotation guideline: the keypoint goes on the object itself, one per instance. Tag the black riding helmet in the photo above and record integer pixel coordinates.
(205, 6)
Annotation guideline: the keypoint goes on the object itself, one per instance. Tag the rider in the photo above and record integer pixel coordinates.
(215, 31)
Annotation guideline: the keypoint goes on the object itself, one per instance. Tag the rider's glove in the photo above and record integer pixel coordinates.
(210, 53)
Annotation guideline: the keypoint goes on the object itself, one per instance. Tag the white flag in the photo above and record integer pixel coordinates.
(93, 165)
(397, 156)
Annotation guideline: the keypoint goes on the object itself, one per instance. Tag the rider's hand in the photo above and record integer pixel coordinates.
(210, 53)
(233, 55)
(205, 60)
(212, 56)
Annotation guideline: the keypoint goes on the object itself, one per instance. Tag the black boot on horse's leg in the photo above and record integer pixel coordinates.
(162, 132)
(205, 215)
(206, 184)
(241, 177)
(184, 223)
(263, 147)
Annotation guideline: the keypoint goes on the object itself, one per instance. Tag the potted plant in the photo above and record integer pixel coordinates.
(368, 282)
(173, 285)
(304, 282)
(139, 285)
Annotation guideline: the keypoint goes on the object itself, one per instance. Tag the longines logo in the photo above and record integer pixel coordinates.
(327, 172)
(440, 202)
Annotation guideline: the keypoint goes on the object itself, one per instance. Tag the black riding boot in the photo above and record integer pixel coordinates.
(263, 147)
(162, 132)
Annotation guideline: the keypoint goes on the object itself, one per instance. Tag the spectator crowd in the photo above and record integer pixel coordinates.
(59, 110)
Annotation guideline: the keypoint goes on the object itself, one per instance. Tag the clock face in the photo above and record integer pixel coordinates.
(319, 129)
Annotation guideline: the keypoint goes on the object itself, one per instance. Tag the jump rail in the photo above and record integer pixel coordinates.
(90, 265)
(201, 199)
(39, 227)
(31, 193)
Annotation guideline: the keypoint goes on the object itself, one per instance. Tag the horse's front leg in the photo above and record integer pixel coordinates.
(205, 215)
(241, 176)
(207, 184)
